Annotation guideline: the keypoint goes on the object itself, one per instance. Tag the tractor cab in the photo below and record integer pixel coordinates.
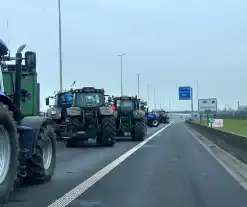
(1, 77)
(126, 104)
(88, 97)
(57, 112)
(61, 98)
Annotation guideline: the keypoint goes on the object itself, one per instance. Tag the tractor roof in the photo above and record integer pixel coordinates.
(89, 89)
(63, 91)
(125, 98)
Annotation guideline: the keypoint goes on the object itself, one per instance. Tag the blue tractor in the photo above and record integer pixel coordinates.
(152, 120)
(28, 145)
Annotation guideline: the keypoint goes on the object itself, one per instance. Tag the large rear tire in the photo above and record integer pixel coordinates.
(41, 166)
(140, 130)
(108, 133)
(9, 164)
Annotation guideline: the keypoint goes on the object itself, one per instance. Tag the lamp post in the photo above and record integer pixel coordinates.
(60, 46)
(138, 85)
(121, 62)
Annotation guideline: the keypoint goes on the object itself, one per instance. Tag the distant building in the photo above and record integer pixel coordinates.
(242, 108)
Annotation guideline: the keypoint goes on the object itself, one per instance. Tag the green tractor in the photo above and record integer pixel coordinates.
(130, 117)
(89, 117)
(28, 143)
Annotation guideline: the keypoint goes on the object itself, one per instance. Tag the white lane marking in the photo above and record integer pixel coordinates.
(232, 165)
(82, 187)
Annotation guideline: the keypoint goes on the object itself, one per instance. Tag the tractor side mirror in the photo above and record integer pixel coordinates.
(30, 59)
(47, 102)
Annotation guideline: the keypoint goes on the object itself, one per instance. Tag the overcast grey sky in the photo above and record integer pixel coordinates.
(170, 43)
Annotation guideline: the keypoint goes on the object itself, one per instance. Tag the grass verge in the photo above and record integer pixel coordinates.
(231, 125)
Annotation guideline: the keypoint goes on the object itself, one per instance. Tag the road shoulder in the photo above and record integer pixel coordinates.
(236, 168)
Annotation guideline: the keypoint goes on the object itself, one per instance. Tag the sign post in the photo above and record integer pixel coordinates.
(186, 93)
(207, 105)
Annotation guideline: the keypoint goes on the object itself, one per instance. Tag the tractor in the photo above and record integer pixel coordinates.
(131, 118)
(89, 117)
(57, 112)
(28, 144)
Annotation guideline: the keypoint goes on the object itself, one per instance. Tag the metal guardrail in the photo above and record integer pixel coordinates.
(233, 143)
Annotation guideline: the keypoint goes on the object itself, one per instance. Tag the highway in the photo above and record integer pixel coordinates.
(170, 168)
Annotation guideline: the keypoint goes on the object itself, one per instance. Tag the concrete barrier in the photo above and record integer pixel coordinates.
(233, 143)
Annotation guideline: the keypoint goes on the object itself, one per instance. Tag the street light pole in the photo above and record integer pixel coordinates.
(138, 85)
(60, 46)
(197, 94)
(154, 101)
(121, 59)
(148, 97)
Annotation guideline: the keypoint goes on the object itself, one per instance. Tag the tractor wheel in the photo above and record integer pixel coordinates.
(155, 123)
(40, 167)
(140, 130)
(108, 133)
(9, 153)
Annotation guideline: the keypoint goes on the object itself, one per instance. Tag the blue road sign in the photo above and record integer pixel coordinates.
(184, 93)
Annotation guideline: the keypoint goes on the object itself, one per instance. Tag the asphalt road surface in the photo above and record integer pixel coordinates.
(170, 169)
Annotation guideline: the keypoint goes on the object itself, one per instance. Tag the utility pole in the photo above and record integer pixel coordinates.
(121, 72)
(60, 45)
(138, 85)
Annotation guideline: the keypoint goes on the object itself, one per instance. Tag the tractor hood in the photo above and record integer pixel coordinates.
(151, 116)
(54, 112)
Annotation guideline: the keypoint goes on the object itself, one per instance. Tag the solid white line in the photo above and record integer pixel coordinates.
(82, 187)
(235, 173)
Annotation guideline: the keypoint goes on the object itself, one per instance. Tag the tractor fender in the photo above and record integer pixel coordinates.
(106, 111)
(7, 101)
(73, 111)
(138, 114)
(30, 127)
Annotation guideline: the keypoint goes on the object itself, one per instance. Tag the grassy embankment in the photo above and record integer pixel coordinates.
(231, 125)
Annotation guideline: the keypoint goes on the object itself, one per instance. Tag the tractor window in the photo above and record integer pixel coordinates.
(125, 104)
(89, 99)
(64, 98)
